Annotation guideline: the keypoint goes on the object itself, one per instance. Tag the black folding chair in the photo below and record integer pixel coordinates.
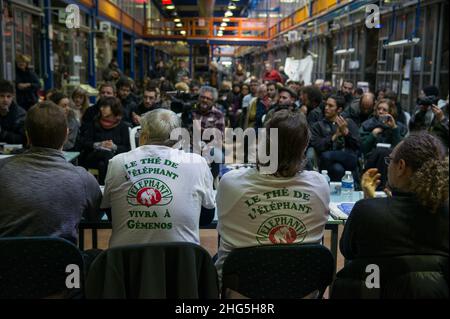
(278, 271)
(160, 270)
(40, 267)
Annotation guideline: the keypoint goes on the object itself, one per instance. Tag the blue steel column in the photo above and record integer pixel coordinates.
(120, 48)
(47, 44)
(141, 62)
(2, 71)
(191, 61)
(147, 53)
(132, 56)
(91, 51)
(152, 57)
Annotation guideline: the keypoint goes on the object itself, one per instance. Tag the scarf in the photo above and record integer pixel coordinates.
(110, 122)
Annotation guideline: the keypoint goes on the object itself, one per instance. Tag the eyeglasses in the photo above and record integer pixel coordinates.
(206, 98)
(387, 160)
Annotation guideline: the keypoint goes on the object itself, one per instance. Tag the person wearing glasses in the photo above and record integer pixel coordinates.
(412, 221)
(206, 110)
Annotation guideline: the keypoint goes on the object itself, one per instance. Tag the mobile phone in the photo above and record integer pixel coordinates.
(384, 118)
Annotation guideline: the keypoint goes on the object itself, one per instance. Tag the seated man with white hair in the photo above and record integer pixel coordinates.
(157, 193)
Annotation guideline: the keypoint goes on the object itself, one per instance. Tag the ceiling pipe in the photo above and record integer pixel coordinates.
(206, 8)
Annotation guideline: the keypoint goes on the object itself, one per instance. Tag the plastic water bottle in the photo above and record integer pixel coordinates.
(325, 174)
(347, 187)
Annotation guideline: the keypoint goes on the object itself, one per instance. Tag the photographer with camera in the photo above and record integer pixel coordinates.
(429, 116)
(382, 128)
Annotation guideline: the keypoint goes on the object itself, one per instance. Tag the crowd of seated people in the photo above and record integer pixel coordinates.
(160, 194)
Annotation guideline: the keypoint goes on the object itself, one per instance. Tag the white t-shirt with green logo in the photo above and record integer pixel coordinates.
(255, 209)
(155, 194)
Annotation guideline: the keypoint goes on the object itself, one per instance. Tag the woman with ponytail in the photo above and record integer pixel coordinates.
(408, 230)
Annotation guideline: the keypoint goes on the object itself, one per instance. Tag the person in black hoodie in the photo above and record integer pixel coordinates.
(105, 137)
(12, 116)
(27, 83)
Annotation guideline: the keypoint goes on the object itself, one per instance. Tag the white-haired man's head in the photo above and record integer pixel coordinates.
(156, 127)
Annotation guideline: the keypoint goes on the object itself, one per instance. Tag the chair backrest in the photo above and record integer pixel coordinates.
(278, 271)
(394, 277)
(160, 270)
(134, 136)
(40, 267)
(407, 118)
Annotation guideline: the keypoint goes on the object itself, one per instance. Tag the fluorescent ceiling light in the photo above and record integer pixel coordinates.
(344, 51)
(402, 43)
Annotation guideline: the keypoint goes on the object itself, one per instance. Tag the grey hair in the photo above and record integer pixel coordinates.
(158, 125)
(210, 89)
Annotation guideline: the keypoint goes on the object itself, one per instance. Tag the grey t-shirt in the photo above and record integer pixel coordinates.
(41, 194)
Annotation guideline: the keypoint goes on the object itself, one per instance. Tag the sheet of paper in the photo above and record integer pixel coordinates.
(407, 69)
(396, 62)
(405, 87)
(395, 86)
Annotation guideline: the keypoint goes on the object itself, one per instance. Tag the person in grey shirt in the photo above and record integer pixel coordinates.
(41, 194)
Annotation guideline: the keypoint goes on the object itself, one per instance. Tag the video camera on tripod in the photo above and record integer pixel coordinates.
(181, 102)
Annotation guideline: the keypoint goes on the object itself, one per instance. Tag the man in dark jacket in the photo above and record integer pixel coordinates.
(124, 88)
(312, 106)
(150, 102)
(361, 110)
(12, 116)
(336, 140)
(27, 83)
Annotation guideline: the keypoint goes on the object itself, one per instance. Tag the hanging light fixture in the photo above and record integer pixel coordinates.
(170, 7)
(179, 25)
(223, 24)
(226, 20)
(182, 32)
(176, 20)
(228, 13)
(232, 6)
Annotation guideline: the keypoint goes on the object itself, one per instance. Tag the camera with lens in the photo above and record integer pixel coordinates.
(428, 100)
(181, 101)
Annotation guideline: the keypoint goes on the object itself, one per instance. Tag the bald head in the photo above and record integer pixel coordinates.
(367, 103)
